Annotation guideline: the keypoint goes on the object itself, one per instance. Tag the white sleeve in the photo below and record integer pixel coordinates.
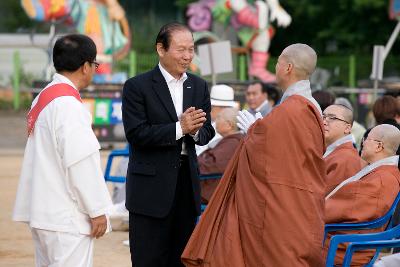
(75, 137)
(178, 130)
(88, 186)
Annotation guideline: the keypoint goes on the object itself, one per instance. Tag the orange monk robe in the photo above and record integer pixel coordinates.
(364, 200)
(341, 164)
(268, 209)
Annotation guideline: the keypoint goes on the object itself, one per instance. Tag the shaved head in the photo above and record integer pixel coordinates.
(389, 135)
(303, 58)
(346, 113)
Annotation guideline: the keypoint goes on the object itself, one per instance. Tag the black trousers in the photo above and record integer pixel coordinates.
(156, 242)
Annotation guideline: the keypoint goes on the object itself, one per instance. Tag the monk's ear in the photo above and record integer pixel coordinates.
(347, 129)
(379, 147)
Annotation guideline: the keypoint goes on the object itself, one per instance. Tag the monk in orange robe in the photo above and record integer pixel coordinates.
(268, 209)
(341, 158)
(370, 193)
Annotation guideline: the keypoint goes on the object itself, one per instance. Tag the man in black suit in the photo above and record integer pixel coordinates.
(165, 112)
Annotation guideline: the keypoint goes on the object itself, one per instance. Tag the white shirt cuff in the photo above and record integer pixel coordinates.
(195, 136)
(178, 131)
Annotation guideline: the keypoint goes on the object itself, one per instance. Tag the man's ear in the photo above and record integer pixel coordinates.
(84, 68)
(380, 147)
(347, 130)
(160, 49)
(289, 67)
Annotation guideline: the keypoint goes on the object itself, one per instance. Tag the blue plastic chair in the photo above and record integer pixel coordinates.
(343, 238)
(375, 241)
(204, 177)
(107, 173)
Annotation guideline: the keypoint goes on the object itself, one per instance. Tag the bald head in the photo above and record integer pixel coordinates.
(345, 112)
(303, 58)
(389, 135)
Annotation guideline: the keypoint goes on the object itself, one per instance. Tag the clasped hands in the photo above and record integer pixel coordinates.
(192, 120)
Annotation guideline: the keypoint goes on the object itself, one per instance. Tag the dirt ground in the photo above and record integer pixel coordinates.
(16, 247)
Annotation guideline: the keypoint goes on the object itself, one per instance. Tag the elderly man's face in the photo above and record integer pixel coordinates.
(255, 96)
(371, 145)
(215, 110)
(335, 125)
(176, 60)
(222, 125)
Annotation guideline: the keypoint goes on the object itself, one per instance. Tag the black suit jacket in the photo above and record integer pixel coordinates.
(149, 118)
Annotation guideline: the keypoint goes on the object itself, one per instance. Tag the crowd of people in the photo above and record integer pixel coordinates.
(289, 163)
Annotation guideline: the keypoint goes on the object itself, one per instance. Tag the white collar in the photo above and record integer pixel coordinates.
(303, 89)
(334, 145)
(263, 104)
(390, 161)
(168, 77)
(59, 78)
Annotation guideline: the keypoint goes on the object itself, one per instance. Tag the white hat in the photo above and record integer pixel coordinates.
(222, 95)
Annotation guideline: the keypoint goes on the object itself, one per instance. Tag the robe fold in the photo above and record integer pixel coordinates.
(363, 200)
(341, 164)
(268, 209)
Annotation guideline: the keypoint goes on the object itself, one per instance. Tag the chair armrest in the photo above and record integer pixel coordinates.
(377, 245)
(211, 176)
(337, 239)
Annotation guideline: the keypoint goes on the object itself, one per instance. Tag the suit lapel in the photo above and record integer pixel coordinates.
(188, 93)
(161, 88)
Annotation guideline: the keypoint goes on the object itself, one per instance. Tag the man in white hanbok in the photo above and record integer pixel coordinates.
(62, 194)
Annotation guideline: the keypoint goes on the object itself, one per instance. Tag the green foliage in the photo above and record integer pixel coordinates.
(183, 3)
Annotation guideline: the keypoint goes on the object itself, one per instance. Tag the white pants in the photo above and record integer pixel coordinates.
(389, 261)
(59, 249)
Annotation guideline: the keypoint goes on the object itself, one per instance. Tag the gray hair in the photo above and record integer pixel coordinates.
(229, 114)
(303, 58)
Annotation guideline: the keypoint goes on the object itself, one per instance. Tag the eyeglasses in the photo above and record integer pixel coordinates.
(96, 64)
(375, 140)
(330, 118)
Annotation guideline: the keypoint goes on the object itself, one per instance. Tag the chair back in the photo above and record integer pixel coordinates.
(107, 173)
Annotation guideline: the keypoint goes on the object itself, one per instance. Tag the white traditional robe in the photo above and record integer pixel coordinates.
(61, 184)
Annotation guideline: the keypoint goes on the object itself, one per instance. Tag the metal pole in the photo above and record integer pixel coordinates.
(352, 71)
(16, 80)
(376, 83)
(391, 41)
(132, 63)
(242, 67)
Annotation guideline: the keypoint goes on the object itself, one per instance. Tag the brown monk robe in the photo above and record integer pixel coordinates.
(364, 200)
(214, 161)
(268, 209)
(341, 164)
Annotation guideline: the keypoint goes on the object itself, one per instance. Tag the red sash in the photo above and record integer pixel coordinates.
(45, 97)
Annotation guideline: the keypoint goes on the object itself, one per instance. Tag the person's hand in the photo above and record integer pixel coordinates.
(246, 119)
(99, 226)
(192, 120)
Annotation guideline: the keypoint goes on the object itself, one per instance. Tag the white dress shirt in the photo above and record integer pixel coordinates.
(176, 90)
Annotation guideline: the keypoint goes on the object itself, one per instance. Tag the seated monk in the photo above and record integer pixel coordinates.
(214, 160)
(370, 193)
(341, 158)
